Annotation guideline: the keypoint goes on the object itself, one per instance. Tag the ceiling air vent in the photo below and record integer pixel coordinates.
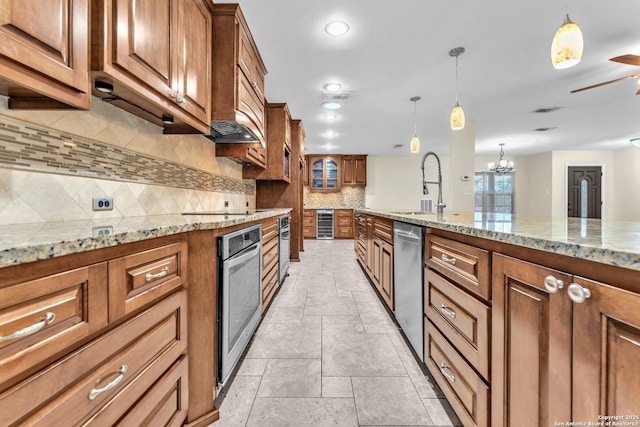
(545, 129)
(546, 110)
(328, 96)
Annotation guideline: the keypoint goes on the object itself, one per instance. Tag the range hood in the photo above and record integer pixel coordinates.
(231, 132)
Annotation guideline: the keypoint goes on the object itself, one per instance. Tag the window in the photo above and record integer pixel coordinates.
(495, 193)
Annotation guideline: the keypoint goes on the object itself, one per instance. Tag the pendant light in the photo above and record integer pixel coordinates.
(457, 114)
(415, 141)
(567, 45)
(503, 166)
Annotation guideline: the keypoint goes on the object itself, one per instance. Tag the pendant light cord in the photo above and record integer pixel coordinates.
(457, 79)
(415, 119)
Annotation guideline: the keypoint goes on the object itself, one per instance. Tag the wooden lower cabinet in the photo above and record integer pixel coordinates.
(270, 263)
(97, 338)
(383, 270)
(606, 353)
(309, 224)
(102, 381)
(343, 224)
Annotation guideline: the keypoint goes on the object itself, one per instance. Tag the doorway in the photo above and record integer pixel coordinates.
(584, 186)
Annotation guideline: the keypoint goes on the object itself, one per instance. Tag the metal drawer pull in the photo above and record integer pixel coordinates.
(450, 377)
(48, 318)
(446, 310)
(552, 284)
(451, 261)
(577, 293)
(149, 277)
(117, 380)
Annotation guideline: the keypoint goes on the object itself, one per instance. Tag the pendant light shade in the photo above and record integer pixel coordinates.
(567, 45)
(415, 141)
(457, 119)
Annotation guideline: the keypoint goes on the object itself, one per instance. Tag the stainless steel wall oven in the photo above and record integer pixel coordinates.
(239, 295)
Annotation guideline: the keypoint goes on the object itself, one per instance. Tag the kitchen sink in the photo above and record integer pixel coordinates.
(411, 213)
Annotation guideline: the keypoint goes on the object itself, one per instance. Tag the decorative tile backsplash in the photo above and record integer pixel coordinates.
(35, 148)
(347, 197)
(52, 163)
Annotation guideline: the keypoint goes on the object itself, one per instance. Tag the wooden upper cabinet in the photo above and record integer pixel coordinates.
(279, 159)
(305, 172)
(238, 73)
(354, 170)
(157, 55)
(324, 173)
(44, 53)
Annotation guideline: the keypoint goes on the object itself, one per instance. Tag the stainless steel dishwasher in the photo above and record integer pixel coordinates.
(408, 270)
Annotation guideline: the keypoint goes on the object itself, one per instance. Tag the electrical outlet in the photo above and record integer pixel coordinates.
(226, 203)
(103, 203)
(247, 204)
(106, 230)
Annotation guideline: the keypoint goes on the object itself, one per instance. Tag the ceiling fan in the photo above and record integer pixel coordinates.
(624, 59)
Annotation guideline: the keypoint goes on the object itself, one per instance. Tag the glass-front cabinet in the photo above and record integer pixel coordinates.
(324, 173)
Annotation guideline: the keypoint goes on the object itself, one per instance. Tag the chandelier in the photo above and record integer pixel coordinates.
(503, 167)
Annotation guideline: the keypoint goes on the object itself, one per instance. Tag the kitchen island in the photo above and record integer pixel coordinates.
(527, 321)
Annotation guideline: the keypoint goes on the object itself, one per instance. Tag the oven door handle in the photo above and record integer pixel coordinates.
(285, 235)
(239, 259)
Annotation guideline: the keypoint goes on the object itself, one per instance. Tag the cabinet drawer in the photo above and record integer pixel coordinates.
(345, 221)
(269, 284)
(463, 319)
(269, 230)
(344, 231)
(269, 256)
(464, 389)
(466, 265)
(166, 403)
(257, 153)
(309, 213)
(47, 316)
(147, 345)
(308, 221)
(383, 228)
(345, 213)
(309, 231)
(139, 279)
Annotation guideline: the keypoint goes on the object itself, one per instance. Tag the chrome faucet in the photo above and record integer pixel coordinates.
(440, 205)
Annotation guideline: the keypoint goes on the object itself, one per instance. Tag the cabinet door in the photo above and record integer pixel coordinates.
(193, 63)
(360, 170)
(348, 177)
(143, 37)
(50, 38)
(317, 173)
(377, 263)
(606, 353)
(332, 175)
(531, 343)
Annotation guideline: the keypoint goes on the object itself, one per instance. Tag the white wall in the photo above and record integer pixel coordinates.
(396, 182)
(462, 144)
(626, 181)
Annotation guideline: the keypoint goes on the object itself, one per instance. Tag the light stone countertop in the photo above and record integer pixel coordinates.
(604, 241)
(22, 243)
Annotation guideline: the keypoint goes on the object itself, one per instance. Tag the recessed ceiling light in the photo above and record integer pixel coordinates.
(103, 87)
(332, 87)
(635, 142)
(332, 105)
(330, 134)
(336, 28)
(331, 116)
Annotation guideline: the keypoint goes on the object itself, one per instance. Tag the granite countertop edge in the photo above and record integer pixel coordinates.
(125, 230)
(626, 258)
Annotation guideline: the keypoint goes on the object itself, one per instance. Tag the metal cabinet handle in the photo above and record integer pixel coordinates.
(446, 310)
(577, 293)
(451, 260)
(48, 318)
(117, 380)
(450, 377)
(149, 277)
(255, 87)
(552, 284)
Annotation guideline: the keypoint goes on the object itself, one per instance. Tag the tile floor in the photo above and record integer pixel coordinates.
(328, 354)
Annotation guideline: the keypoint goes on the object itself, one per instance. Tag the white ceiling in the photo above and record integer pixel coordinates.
(398, 49)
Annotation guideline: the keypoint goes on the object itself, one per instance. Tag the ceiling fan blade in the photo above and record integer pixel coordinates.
(627, 59)
(605, 83)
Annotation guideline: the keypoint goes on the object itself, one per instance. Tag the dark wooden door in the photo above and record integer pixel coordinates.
(584, 192)
(606, 352)
(531, 345)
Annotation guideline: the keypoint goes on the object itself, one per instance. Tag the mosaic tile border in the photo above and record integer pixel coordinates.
(36, 148)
